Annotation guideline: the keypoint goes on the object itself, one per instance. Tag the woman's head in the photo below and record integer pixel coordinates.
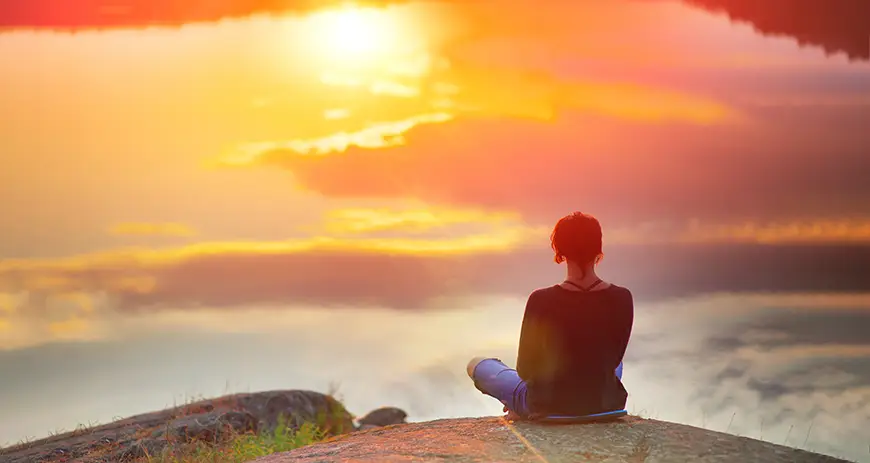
(577, 238)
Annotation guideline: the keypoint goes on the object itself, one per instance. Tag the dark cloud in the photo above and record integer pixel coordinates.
(816, 379)
(838, 26)
(835, 25)
(818, 350)
(814, 328)
(87, 14)
(734, 369)
(673, 270)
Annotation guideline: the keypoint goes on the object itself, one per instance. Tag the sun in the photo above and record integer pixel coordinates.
(354, 33)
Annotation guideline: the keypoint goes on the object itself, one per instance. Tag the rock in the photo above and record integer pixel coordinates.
(208, 421)
(211, 427)
(384, 416)
(629, 440)
(297, 408)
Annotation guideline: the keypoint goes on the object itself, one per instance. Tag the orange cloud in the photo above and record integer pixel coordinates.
(847, 99)
(637, 102)
(464, 88)
(806, 232)
(152, 229)
(517, 93)
(795, 232)
(625, 172)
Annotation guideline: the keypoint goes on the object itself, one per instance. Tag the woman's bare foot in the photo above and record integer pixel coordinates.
(472, 365)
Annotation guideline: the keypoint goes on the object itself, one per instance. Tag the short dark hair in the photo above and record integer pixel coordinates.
(577, 237)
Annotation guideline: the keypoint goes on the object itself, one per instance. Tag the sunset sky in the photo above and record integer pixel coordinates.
(410, 156)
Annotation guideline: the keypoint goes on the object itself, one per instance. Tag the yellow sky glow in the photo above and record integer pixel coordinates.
(501, 240)
(367, 220)
(160, 229)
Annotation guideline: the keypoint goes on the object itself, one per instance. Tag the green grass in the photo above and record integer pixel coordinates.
(242, 447)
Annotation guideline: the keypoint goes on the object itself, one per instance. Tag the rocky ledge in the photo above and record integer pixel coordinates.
(210, 420)
(630, 440)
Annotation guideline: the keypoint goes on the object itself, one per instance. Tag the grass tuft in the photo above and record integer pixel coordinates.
(243, 447)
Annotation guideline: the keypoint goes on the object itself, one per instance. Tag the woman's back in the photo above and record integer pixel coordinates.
(570, 345)
(572, 341)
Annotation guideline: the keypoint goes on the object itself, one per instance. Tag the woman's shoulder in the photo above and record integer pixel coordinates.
(619, 289)
(621, 292)
(545, 292)
(542, 296)
(623, 300)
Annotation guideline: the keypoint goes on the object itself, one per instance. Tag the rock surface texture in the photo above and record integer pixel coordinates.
(630, 440)
(208, 420)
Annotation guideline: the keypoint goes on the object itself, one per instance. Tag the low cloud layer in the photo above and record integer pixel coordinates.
(400, 274)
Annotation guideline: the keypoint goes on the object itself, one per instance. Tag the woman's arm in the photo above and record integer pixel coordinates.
(529, 355)
(624, 322)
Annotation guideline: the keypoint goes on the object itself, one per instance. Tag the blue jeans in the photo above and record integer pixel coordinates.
(493, 378)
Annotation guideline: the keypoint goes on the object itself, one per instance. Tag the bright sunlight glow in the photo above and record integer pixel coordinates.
(355, 34)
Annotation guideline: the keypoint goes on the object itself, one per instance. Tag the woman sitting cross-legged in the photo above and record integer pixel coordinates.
(573, 337)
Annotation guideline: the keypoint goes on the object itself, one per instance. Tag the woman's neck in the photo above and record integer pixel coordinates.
(580, 275)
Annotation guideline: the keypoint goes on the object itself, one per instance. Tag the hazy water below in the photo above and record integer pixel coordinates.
(789, 368)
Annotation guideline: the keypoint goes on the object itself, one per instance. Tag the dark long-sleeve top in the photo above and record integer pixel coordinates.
(570, 345)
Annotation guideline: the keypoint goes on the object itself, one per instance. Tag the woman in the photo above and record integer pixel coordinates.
(573, 337)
